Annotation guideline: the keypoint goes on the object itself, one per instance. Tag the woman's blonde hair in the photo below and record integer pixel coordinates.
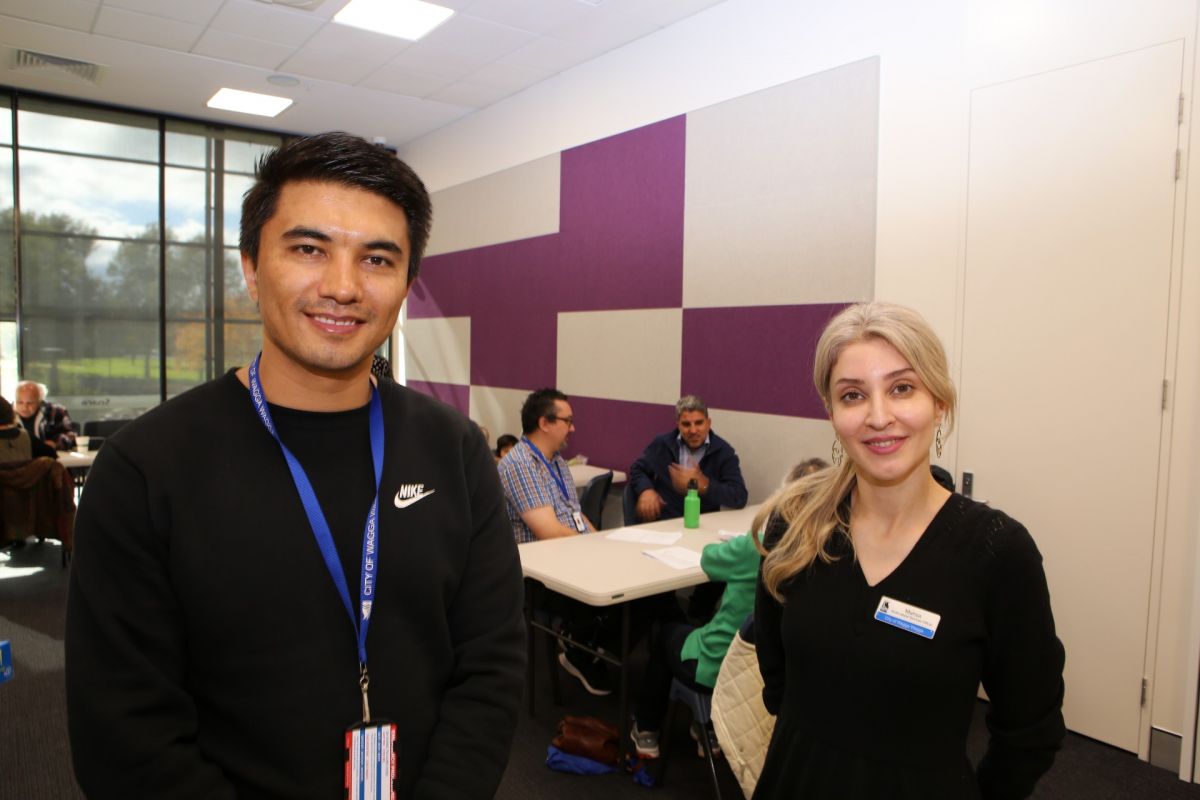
(812, 506)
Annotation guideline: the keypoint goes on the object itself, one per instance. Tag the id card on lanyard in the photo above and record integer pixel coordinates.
(370, 745)
(576, 516)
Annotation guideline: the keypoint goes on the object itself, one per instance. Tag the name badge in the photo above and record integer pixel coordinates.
(907, 617)
(579, 524)
(371, 761)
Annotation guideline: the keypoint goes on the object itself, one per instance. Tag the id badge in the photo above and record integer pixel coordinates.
(371, 761)
(907, 617)
(579, 524)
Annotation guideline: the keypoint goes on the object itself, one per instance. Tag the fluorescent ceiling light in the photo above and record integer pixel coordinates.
(264, 105)
(404, 19)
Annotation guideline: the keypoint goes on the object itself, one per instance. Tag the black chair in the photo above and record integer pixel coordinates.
(629, 505)
(103, 427)
(700, 704)
(591, 500)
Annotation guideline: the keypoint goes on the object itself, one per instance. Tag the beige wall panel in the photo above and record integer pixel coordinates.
(498, 410)
(621, 355)
(516, 203)
(438, 349)
(781, 185)
(769, 445)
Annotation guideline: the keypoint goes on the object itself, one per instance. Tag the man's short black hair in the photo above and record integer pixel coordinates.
(342, 159)
(539, 404)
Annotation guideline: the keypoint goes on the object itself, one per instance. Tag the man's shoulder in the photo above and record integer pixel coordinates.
(198, 412)
(717, 443)
(411, 407)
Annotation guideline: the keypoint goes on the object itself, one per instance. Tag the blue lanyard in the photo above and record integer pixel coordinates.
(316, 518)
(554, 473)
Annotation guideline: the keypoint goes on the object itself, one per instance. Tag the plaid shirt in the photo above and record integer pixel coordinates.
(529, 485)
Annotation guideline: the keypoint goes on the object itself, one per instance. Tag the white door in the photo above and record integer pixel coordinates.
(1070, 212)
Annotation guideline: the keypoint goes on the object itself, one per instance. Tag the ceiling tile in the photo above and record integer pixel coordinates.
(469, 35)
(551, 55)
(197, 12)
(660, 12)
(75, 14)
(335, 36)
(337, 66)
(469, 94)
(437, 61)
(134, 27)
(407, 82)
(241, 50)
(268, 22)
(510, 77)
(608, 30)
(538, 16)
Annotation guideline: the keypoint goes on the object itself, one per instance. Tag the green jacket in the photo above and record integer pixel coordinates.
(736, 563)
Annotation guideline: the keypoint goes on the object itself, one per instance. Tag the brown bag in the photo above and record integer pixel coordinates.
(589, 737)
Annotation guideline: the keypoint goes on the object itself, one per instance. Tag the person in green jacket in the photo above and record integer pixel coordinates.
(694, 655)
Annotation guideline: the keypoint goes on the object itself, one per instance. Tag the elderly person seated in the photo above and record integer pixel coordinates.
(43, 420)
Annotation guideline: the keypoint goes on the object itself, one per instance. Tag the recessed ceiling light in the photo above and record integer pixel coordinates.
(404, 19)
(283, 80)
(264, 105)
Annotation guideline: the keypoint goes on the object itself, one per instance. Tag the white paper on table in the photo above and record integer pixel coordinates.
(643, 536)
(676, 557)
(725, 536)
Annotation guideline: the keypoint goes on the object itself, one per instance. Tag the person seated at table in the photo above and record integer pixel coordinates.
(44, 421)
(505, 443)
(694, 654)
(14, 440)
(690, 452)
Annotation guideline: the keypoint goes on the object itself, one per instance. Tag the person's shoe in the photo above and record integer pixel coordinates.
(590, 671)
(646, 742)
(694, 730)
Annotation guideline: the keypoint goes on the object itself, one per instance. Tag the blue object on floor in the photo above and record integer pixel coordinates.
(6, 664)
(565, 762)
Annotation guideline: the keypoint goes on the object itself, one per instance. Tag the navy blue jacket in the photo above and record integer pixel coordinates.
(720, 465)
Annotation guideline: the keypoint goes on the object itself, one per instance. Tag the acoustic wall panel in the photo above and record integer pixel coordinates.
(621, 355)
(518, 203)
(438, 349)
(780, 193)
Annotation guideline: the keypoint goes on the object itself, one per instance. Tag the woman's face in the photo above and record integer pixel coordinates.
(882, 412)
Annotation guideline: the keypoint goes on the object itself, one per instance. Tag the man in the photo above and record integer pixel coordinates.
(217, 624)
(542, 503)
(540, 495)
(692, 452)
(43, 421)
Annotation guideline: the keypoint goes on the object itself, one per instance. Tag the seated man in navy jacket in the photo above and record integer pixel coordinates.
(660, 477)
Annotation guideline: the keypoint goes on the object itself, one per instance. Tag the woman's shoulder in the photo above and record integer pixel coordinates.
(985, 535)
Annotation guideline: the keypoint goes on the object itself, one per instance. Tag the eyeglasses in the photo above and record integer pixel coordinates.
(569, 420)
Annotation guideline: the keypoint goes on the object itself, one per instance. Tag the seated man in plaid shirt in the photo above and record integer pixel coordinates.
(542, 503)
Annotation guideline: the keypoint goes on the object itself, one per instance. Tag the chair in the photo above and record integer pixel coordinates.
(103, 427)
(37, 498)
(591, 500)
(700, 704)
(629, 505)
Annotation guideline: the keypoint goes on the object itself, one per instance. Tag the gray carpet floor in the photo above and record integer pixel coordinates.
(35, 762)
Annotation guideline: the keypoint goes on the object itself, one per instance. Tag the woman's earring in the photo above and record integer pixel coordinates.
(937, 441)
(838, 453)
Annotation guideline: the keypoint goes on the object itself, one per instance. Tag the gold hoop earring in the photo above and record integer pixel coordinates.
(937, 441)
(837, 454)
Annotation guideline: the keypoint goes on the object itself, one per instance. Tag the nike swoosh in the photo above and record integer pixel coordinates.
(406, 503)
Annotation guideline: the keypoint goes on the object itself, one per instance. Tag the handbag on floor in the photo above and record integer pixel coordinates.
(589, 737)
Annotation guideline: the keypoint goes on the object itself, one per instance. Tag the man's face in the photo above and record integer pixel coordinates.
(560, 424)
(694, 427)
(331, 275)
(26, 404)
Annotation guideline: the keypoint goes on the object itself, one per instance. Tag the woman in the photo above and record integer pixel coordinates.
(884, 600)
(14, 441)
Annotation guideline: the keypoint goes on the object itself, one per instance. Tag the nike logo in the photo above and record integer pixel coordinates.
(410, 493)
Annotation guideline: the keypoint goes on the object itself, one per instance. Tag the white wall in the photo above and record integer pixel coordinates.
(931, 55)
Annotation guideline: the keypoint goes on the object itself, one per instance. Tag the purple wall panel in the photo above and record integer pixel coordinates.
(452, 394)
(613, 433)
(622, 219)
(514, 347)
(755, 358)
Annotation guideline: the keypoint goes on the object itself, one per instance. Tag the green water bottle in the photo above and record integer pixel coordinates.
(691, 507)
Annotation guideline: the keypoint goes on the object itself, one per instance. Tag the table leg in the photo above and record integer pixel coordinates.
(623, 723)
